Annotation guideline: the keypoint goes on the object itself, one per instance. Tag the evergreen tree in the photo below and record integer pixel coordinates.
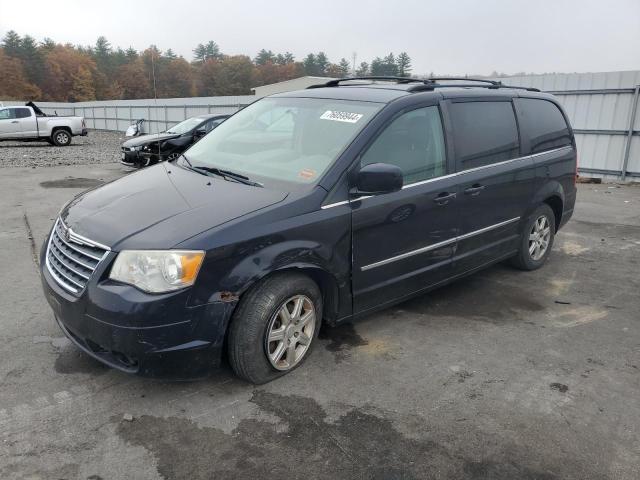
(309, 65)
(403, 63)
(322, 63)
(12, 44)
(169, 54)
(344, 67)
(200, 53)
(131, 54)
(363, 70)
(264, 57)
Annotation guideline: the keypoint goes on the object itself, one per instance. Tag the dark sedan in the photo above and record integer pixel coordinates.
(146, 150)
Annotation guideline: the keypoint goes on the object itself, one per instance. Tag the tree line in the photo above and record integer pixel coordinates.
(51, 71)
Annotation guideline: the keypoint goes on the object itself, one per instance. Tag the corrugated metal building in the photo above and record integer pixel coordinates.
(602, 108)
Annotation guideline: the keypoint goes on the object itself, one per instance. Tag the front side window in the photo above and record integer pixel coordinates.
(545, 125)
(414, 142)
(484, 133)
(7, 113)
(283, 139)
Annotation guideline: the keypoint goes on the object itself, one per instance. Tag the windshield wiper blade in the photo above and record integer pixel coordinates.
(226, 174)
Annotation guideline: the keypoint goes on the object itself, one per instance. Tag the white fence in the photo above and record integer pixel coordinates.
(158, 114)
(602, 108)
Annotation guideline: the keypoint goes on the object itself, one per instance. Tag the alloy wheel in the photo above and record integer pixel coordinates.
(539, 238)
(290, 332)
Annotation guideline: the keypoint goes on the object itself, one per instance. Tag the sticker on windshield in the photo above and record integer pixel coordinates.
(307, 173)
(341, 116)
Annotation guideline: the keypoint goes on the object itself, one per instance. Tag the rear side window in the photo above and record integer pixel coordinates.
(484, 133)
(545, 125)
(22, 113)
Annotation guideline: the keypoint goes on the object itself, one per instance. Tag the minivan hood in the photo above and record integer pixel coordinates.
(146, 139)
(161, 206)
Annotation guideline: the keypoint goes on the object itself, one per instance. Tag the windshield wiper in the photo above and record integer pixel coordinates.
(226, 174)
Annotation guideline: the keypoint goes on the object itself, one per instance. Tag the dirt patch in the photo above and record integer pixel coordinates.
(303, 444)
(71, 182)
(342, 338)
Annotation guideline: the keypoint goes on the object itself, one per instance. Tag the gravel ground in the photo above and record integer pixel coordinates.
(97, 147)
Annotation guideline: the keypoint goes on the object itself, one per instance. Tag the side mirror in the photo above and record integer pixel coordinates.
(199, 133)
(377, 178)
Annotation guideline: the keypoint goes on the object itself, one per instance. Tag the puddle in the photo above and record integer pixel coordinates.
(72, 183)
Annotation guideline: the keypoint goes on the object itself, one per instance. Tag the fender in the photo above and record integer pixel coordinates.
(329, 269)
(550, 189)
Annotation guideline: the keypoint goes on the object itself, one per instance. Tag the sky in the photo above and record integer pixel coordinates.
(446, 37)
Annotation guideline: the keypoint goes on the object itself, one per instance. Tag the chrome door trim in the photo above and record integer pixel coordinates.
(437, 245)
(451, 175)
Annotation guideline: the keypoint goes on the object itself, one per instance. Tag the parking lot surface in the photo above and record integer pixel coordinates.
(502, 375)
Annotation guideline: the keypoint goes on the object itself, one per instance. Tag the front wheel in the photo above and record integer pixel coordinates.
(274, 327)
(61, 138)
(536, 240)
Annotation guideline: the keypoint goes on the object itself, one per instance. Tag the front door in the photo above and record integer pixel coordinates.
(403, 241)
(9, 124)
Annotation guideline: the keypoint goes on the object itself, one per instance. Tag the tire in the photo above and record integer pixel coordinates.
(251, 356)
(536, 240)
(61, 137)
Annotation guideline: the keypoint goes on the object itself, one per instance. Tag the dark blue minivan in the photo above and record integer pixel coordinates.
(320, 205)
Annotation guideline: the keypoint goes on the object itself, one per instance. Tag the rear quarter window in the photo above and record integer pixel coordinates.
(484, 133)
(544, 124)
(23, 113)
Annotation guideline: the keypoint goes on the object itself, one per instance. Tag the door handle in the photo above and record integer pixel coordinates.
(15, 121)
(444, 198)
(474, 190)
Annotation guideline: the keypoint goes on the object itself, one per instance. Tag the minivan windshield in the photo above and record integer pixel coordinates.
(185, 126)
(283, 139)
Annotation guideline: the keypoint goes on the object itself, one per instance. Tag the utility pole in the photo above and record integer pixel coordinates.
(354, 55)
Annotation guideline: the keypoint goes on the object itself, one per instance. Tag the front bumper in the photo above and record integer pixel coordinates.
(149, 335)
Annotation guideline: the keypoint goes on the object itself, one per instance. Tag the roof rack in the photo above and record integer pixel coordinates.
(427, 84)
(338, 81)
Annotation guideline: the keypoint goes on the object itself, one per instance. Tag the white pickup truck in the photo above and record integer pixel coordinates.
(28, 123)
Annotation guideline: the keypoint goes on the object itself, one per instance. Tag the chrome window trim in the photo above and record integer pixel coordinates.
(435, 246)
(451, 175)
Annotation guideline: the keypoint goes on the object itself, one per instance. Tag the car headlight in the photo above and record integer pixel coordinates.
(136, 148)
(157, 271)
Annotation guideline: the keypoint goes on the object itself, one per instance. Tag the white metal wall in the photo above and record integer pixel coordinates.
(600, 107)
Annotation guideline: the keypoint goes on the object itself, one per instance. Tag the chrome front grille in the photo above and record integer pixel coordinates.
(72, 258)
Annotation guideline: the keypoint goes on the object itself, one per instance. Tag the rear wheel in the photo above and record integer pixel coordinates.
(274, 327)
(61, 138)
(536, 240)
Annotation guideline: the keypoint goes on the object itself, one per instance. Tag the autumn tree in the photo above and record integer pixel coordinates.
(82, 89)
(61, 69)
(14, 84)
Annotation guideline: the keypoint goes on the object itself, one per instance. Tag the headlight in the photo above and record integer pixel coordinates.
(157, 271)
(136, 148)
